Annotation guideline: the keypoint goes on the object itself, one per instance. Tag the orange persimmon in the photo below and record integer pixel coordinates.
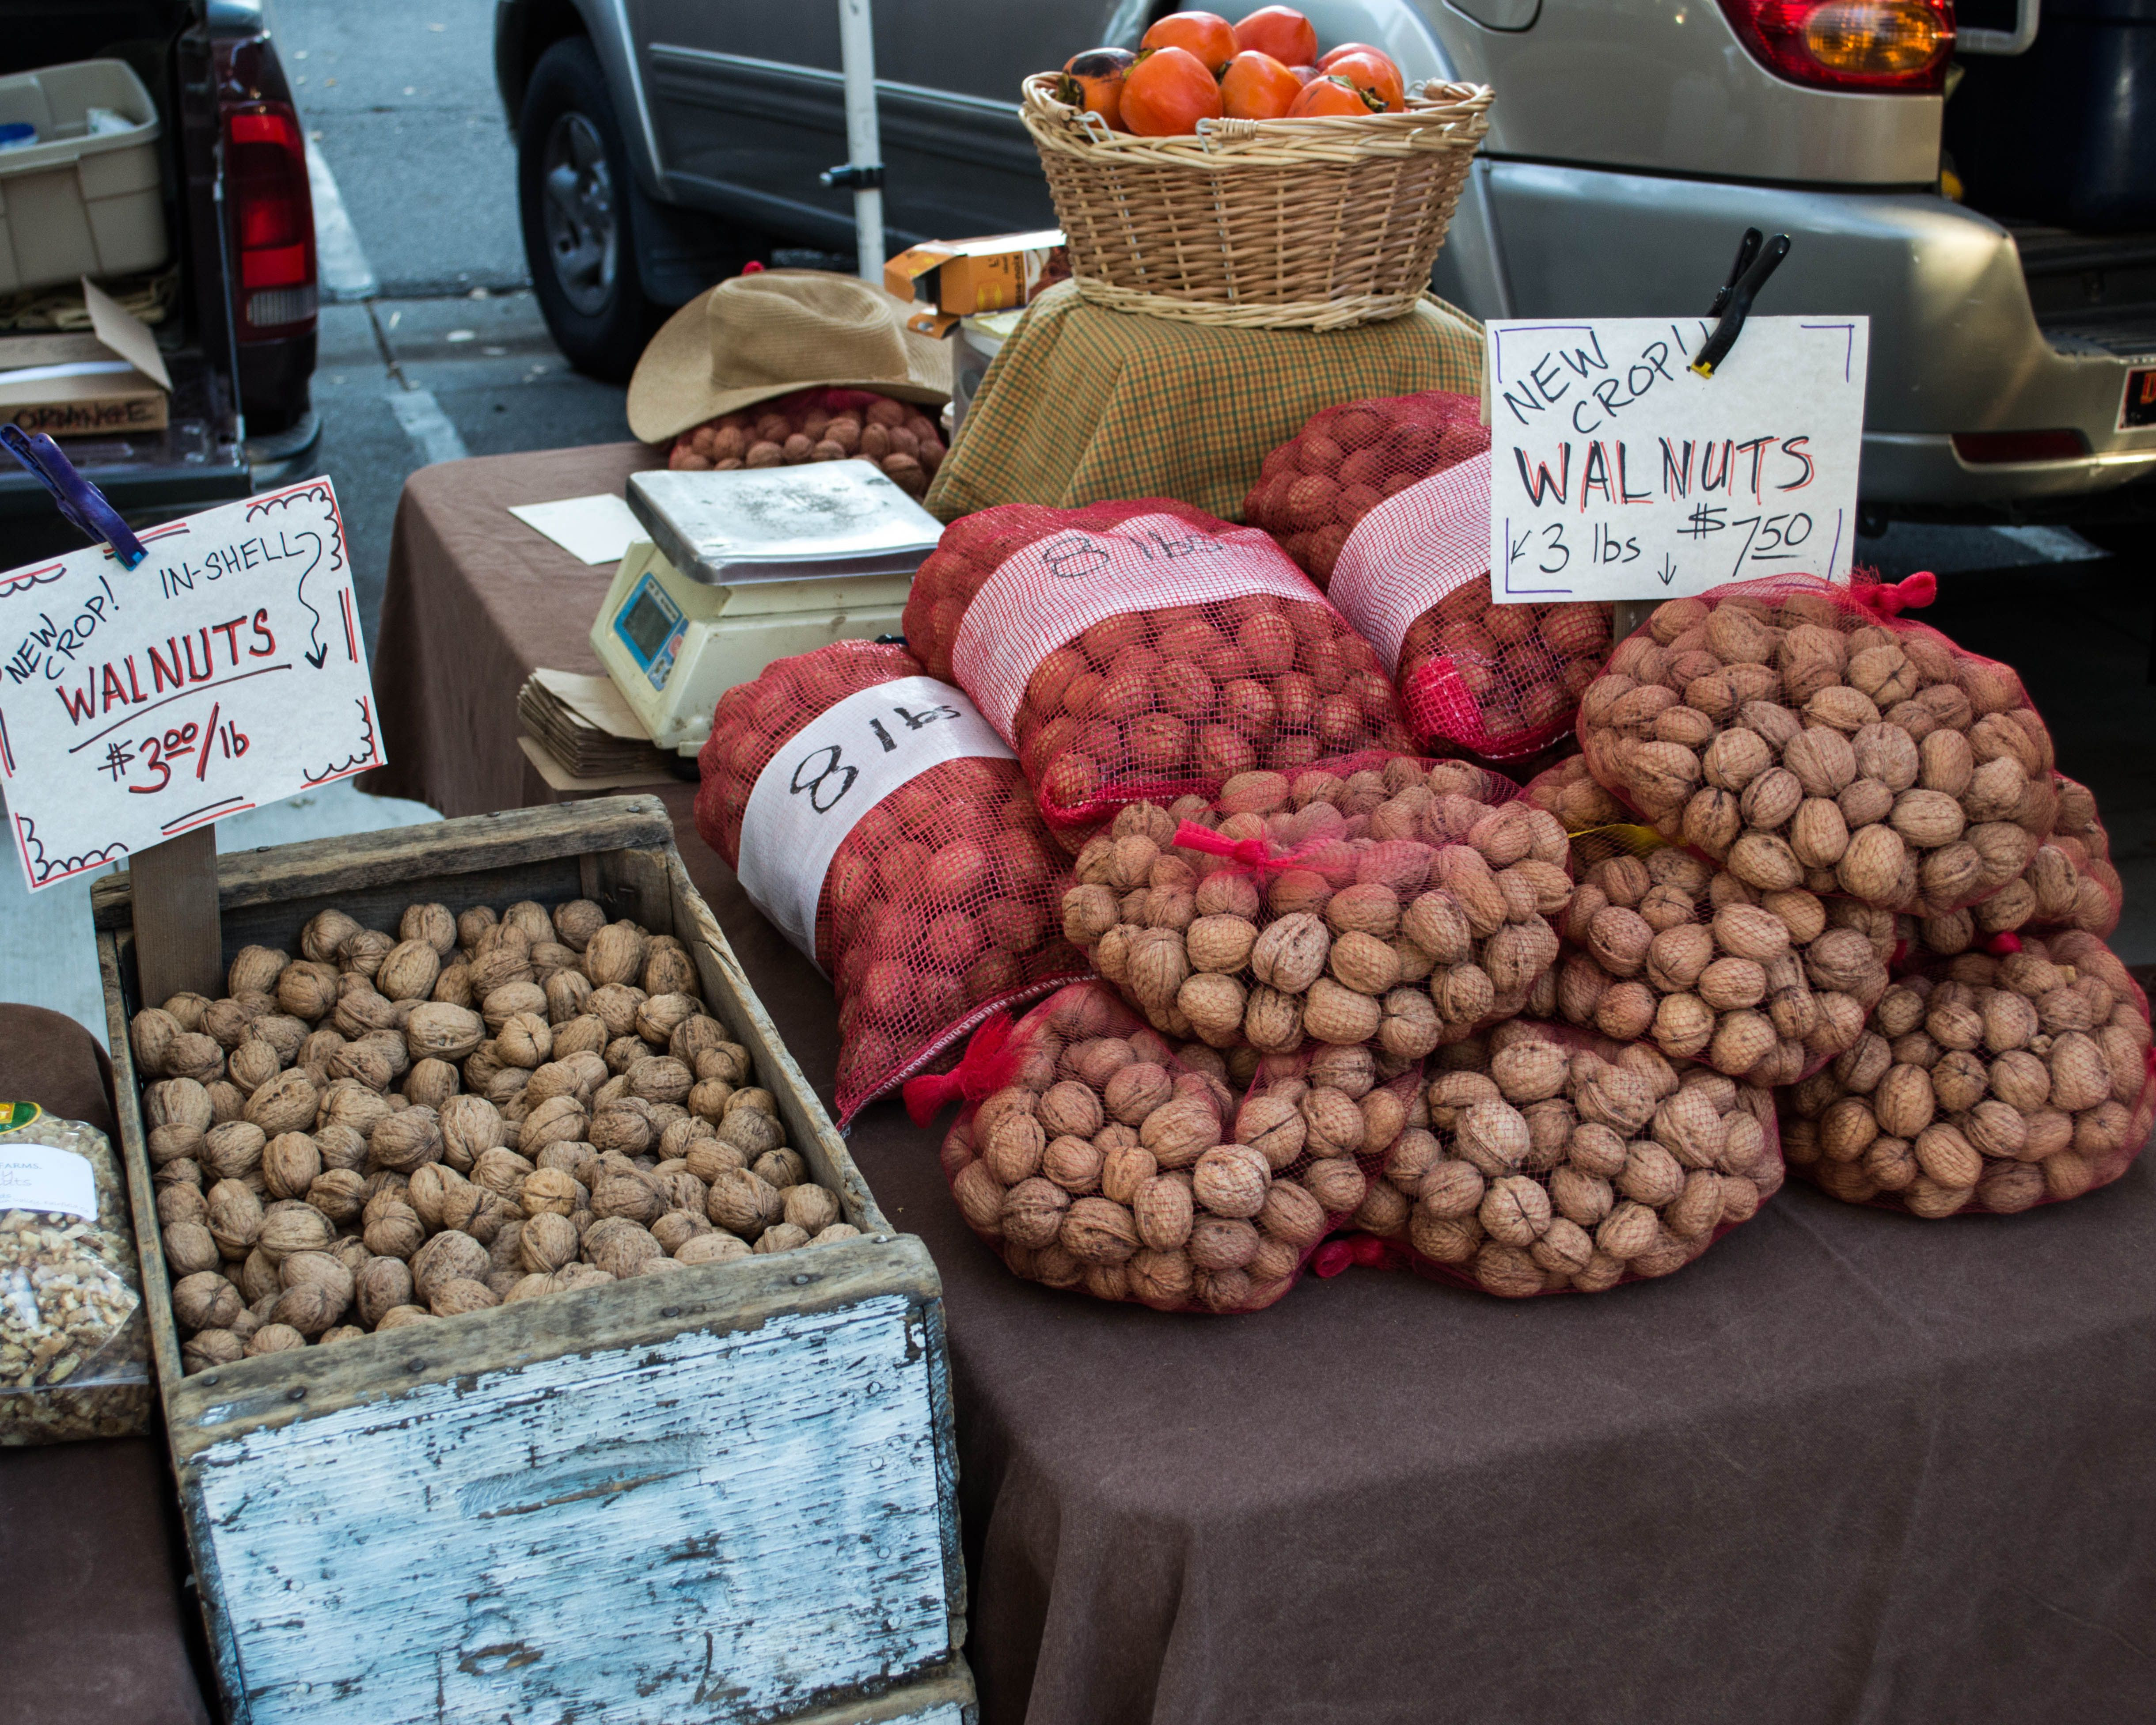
(1303, 75)
(1257, 86)
(1167, 92)
(1326, 59)
(1205, 34)
(1092, 82)
(1375, 75)
(1328, 96)
(1281, 32)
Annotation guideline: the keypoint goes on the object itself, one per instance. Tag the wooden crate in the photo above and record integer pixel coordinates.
(726, 1494)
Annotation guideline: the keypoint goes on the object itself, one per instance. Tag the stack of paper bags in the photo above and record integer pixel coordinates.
(582, 735)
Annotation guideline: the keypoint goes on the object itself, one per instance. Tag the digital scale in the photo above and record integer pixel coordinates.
(745, 567)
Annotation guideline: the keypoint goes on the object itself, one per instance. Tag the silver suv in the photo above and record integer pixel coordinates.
(661, 142)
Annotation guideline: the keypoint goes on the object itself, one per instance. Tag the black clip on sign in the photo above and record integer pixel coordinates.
(1755, 260)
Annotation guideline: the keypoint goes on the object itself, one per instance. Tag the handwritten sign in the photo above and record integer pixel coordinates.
(224, 670)
(1618, 473)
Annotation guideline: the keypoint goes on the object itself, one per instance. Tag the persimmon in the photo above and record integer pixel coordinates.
(1375, 75)
(1281, 32)
(1167, 92)
(1303, 75)
(1257, 86)
(1205, 34)
(1092, 82)
(1329, 96)
(1326, 59)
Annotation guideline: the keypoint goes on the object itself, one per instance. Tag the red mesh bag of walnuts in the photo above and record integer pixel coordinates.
(1142, 649)
(1089, 1157)
(1314, 491)
(2070, 883)
(1987, 1084)
(1383, 900)
(1552, 1160)
(818, 424)
(1405, 558)
(1660, 945)
(887, 832)
(1805, 735)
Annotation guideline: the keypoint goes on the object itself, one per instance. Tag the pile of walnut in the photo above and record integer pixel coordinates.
(1762, 986)
(1408, 910)
(1992, 1083)
(2070, 883)
(392, 1129)
(1548, 1163)
(1802, 745)
(1105, 1165)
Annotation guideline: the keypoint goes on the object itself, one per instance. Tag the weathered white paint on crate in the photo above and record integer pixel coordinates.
(709, 1527)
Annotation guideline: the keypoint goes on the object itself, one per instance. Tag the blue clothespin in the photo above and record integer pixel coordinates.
(80, 501)
(1732, 304)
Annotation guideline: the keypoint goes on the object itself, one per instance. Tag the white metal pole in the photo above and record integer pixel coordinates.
(864, 147)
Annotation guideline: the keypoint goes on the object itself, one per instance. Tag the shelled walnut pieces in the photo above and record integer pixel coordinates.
(479, 1109)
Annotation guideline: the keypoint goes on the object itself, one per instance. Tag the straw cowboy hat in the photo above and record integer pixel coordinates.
(757, 337)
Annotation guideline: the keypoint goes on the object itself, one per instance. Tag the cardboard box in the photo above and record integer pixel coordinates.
(109, 379)
(955, 277)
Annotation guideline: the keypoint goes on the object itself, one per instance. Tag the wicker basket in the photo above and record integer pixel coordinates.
(1316, 224)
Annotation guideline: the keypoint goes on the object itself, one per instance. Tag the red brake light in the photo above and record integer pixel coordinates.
(1888, 45)
(273, 219)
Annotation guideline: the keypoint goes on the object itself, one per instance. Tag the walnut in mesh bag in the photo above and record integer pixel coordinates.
(73, 1346)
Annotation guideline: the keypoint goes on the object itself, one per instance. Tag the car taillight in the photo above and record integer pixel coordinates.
(1888, 45)
(273, 220)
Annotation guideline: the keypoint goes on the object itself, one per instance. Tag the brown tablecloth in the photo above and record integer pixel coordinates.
(94, 1627)
(1850, 1466)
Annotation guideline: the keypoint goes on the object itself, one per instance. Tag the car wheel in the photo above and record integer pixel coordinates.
(572, 179)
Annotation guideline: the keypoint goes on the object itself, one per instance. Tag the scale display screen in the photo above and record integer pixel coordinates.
(650, 625)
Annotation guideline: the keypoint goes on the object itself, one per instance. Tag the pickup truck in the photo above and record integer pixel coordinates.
(238, 340)
(2013, 371)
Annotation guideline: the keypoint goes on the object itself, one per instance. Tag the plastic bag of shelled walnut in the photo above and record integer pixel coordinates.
(1089, 1158)
(394, 1129)
(1991, 1083)
(73, 1345)
(1555, 1160)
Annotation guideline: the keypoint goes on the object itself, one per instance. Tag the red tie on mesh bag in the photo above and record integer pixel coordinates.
(1989, 1084)
(887, 832)
(1099, 1161)
(1407, 562)
(1142, 649)
(1803, 734)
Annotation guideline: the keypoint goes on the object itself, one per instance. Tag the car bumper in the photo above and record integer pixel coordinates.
(1955, 343)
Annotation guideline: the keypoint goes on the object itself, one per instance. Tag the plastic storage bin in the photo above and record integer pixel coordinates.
(78, 202)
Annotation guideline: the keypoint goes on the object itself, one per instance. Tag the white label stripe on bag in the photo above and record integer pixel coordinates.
(828, 775)
(45, 1178)
(1048, 593)
(1412, 550)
